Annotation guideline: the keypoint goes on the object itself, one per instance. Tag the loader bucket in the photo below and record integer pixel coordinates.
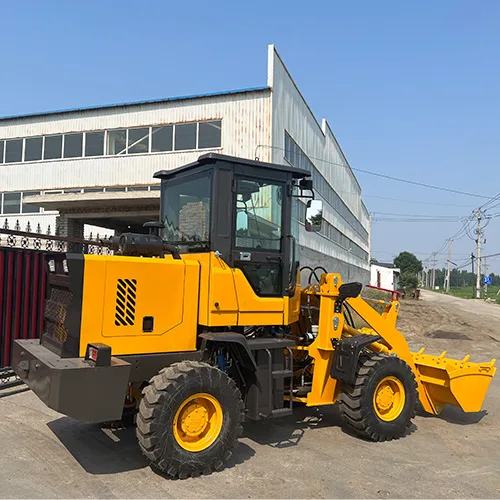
(454, 382)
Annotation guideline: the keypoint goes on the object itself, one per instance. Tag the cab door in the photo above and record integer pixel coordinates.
(259, 236)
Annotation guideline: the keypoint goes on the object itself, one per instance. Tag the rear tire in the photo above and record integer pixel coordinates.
(190, 419)
(382, 402)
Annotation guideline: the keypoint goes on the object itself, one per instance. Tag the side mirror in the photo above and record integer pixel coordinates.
(241, 222)
(314, 216)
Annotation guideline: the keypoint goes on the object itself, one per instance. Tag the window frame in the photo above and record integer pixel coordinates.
(105, 134)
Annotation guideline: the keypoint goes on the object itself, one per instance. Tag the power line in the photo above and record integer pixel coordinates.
(483, 207)
(383, 176)
(412, 201)
(387, 219)
(432, 216)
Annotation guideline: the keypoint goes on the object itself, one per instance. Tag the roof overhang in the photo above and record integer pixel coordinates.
(95, 201)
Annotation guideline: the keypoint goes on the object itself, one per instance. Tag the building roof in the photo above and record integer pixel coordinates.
(137, 103)
(298, 173)
(389, 265)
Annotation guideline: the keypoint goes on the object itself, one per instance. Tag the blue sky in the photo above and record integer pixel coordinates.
(410, 89)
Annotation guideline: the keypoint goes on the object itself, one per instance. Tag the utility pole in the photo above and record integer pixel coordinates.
(472, 260)
(485, 274)
(478, 277)
(449, 266)
(433, 274)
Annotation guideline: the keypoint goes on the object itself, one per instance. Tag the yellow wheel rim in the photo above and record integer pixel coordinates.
(389, 398)
(198, 422)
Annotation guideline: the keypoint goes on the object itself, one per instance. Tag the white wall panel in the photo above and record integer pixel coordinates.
(245, 124)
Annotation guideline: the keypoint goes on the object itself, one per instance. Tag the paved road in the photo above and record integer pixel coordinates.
(46, 455)
(469, 305)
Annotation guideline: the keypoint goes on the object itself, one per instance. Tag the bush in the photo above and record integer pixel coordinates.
(408, 281)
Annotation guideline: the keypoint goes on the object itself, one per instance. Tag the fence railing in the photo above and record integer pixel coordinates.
(23, 284)
(36, 240)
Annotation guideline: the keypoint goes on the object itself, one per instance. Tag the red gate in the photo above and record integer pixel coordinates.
(22, 297)
(23, 284)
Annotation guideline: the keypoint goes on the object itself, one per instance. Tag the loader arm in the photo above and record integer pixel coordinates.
(440, 380)
(385, 325)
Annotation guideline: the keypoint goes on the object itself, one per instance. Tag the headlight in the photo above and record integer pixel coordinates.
(52, 266)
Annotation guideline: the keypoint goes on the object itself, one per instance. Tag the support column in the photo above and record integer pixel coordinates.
(70, 228)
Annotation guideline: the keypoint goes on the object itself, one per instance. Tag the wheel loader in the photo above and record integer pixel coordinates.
(208, 320)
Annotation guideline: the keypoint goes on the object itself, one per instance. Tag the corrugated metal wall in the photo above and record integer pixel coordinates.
(290, 112)
(245, 124)
(22, 297)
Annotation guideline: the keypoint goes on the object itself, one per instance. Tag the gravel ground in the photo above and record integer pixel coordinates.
(456, 455)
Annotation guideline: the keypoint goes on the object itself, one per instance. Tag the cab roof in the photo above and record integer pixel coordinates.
(206, 159)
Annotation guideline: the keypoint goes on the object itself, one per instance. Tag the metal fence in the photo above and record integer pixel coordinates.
(23, 283)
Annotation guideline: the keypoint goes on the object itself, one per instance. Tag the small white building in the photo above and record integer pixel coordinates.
(384, 276)
(94, 166)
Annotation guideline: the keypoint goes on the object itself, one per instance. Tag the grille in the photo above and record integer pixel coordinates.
(126, 291)
(56, 308)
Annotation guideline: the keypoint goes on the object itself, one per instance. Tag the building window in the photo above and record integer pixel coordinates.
(73, 145)
(53, 147)
(162, 139)
(28, 208)
(138, 140)
(94, 143)
(11, 203)
(117, 142)
(13, 151)
(209, 134)
(185, 136)
(33, 149)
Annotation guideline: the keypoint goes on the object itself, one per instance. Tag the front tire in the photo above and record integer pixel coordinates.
(190, 419)
(382, 402)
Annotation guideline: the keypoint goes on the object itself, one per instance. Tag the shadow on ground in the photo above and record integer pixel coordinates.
(287, 432)
(99, 450)
(102, 450)
(455, 415)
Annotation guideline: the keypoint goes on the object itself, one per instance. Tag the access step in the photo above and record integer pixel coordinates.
(281, 412)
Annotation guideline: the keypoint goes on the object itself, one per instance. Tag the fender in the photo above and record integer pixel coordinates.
(237, 341)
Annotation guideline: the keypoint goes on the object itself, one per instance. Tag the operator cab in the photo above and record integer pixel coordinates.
(242, 211)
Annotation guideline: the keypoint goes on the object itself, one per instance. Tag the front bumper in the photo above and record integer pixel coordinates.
(72, 386)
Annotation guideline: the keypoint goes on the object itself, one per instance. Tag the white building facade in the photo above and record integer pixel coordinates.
(93, 167)
(384, 276)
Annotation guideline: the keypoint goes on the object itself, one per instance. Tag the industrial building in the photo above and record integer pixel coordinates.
(89, 168)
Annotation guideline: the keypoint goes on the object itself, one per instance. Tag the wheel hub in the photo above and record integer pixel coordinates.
(194, 419)
(198, 422)
(389, 398)
(385, 397)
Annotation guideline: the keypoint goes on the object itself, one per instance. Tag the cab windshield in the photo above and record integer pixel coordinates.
(186, 213)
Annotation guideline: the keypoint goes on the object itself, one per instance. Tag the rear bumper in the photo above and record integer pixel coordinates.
(72, 386)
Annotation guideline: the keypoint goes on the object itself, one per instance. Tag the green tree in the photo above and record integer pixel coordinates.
(408, 281)
(408, 263)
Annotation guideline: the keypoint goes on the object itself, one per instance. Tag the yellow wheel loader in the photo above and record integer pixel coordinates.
(203, 323)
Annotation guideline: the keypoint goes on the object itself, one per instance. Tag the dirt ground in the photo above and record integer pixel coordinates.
(46, 455)
(442, 322)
